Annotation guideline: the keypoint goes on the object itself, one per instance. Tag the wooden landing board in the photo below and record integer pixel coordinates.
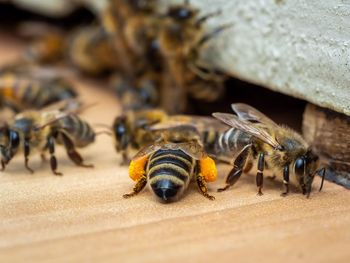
(82, 217)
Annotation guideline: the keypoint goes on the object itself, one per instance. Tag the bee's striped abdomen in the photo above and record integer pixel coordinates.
(232, 140)
(78, 130)
(210, 139)
(169, 173)
(33, 93)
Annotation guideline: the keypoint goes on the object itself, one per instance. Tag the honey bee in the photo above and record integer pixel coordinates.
(168, 167)
(137, 129)
(144, 95)
(181, 36)
(22, 91)
(91, 50)
(256, 136)
(130, 130)
(41, 131)
(47, 42)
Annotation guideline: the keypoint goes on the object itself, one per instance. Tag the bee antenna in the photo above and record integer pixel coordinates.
(323, 170)
(103, 125)
(109, 133)
(202, 19)
(212, 34)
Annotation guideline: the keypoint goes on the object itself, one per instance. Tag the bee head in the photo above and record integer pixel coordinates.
(9, 143)
(141, 5)
(121, 132)
(181, 12)
(305, 168)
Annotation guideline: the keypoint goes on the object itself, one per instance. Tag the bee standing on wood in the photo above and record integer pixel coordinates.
(255, 136)
(130, 130)
(136, 129)
(169, 165)
(41, 130)
(20, 91)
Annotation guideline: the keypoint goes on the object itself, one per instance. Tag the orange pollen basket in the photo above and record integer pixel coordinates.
(137, 168)
(208, 169)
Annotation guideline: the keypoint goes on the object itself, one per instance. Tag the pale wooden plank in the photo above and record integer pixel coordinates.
(83, 217)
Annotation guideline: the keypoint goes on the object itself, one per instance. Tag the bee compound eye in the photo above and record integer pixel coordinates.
(14, 139)
(299, 166)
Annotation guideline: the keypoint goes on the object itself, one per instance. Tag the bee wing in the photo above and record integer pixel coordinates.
(147, 151)
(192, 148)
(248, 127)
(50, 118)
(248, 113)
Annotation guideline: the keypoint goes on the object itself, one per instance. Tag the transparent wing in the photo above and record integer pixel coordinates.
(192, 148)
(147, 151)
(248, 113)
(248, 127)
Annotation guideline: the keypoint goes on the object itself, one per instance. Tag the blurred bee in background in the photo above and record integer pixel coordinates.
(169, 165)
(130, 130)
(90, 50)
(134, 29)
(143, 95)
(40, 131)
(21, 88)
(255, 136)
(181, 39)
(47, 42)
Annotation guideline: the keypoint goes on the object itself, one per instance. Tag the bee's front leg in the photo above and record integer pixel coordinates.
(138, 187)
(203, 187)
(53, 160)
(260, 173)
(72, 153)
(286, 180)
(238, 166)
(125, 158)
(3, 166)
(26, 154)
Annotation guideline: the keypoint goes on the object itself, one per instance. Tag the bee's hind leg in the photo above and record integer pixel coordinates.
(238, 166)
(260, 173)
(286, 180)
(203, 188)
(26, 154)
(53, 160)
(72, 153)
(3, 166)
(138, 187)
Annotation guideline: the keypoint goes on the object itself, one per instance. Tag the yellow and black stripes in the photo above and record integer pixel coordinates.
(79, 131)
(231, 141)
(28, 92)
(169, 172)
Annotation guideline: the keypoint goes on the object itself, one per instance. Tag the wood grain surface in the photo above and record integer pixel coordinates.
(82, 217)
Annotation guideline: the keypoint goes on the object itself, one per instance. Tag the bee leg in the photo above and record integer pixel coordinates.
(138, 187)
(26, 154)
(237, 169)
(286, 180)
(53, 160)
(203, 187)
(2, 166)
(125, 158)
(72, 153)
(259, 174)
(42, 154)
